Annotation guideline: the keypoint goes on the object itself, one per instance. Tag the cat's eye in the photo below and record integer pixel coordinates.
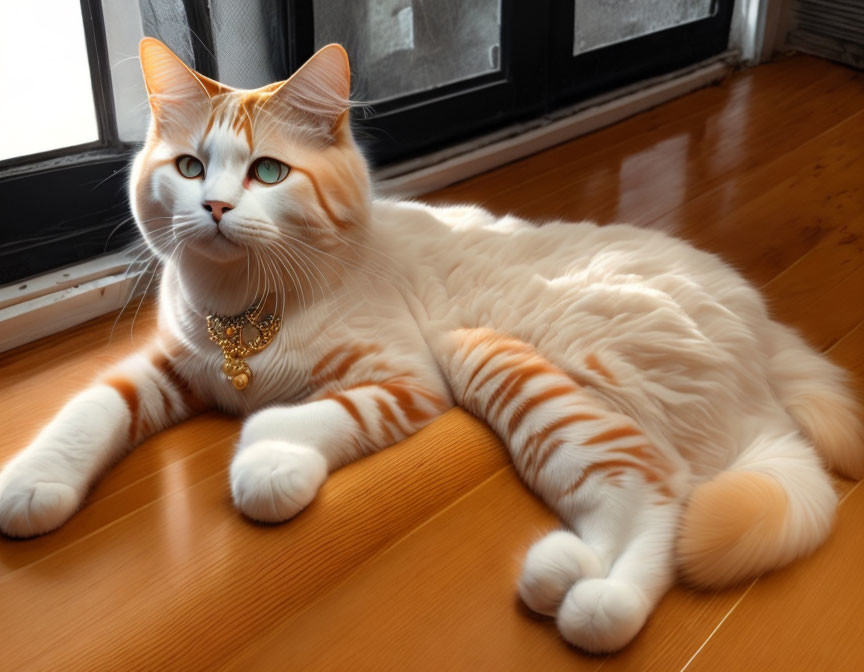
(190, 167)
(269, 171)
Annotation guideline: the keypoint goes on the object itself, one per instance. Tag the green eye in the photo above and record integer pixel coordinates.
(269, 171)
(190, 167)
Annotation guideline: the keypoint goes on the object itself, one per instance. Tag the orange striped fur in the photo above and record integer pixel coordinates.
(592, 363)
(148, 415)
(126, 389)
(352, 373)
(514, 388)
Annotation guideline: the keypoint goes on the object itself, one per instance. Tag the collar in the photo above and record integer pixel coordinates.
(239, 337)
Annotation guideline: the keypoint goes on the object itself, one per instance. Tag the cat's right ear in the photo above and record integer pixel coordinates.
(318, 91)
(172, 86)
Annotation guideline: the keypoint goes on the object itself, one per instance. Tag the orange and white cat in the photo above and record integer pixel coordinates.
(639, 384)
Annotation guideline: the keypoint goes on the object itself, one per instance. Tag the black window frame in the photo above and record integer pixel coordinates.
(71, 204)
(538, 75)
(70, 197)
(75, 198)
(577, 77)
(407, 125)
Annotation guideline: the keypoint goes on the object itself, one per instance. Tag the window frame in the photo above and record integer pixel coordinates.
(102, 91)
(454, 111)
(573, 78)
(46, 183)
(93, 176)
(536, 37)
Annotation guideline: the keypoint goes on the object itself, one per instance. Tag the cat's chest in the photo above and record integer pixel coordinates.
(278, 374)
(362, 335)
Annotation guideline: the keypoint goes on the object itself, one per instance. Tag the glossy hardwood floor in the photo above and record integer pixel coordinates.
(408, 559)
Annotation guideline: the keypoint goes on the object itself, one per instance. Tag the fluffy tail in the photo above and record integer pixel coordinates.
(775, 504)
(816, 394)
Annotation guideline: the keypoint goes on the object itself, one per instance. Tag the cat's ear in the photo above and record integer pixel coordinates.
(169, 81)
(318, 91)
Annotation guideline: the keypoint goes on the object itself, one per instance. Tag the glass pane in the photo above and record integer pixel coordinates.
(45, 78)
(247, 40)
(123, 31)
(600, 23)
(399, 47)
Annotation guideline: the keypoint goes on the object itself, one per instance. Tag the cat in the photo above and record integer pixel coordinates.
(639, 384)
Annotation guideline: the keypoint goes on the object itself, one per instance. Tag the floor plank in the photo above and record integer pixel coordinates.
(822, 294)
(184, 579)
(54, 368)
(806, 618)
(632, 171)
(445, 582)
(849, 353)
(452, 580)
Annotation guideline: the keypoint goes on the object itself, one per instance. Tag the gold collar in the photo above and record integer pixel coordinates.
(240, 336)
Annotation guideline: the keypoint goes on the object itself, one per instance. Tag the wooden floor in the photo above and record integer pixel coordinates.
(408, 559)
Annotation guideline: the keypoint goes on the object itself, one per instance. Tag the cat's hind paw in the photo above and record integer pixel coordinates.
(272, 481)
(602, 615)
(32, 507)
(551, 568)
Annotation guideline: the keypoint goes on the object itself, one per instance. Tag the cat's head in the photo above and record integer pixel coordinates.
(236, 177)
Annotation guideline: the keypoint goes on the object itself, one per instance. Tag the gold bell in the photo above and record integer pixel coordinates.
(241, 380)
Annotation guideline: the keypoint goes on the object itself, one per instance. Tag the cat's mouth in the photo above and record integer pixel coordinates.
(221, 233)
(219, 246)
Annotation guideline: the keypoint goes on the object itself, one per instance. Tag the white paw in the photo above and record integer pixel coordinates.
(551, 568)
(602, 615)
(29, 506)
(272, 481)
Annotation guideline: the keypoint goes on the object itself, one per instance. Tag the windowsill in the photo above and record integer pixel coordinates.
(46, 304)
(49, 303)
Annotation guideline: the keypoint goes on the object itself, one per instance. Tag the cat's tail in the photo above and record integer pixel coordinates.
(816, 393)
(776, 503)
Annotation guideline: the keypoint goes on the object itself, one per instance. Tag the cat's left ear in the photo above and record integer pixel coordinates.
(319, 90)
(179, 97)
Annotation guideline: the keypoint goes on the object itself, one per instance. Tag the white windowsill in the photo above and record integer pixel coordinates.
(34, 308)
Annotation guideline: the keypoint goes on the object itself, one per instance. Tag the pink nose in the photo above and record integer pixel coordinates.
(217, 209)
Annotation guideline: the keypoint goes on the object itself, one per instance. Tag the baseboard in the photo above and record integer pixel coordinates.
(38, 307)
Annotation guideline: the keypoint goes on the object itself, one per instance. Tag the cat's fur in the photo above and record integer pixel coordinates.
(639, 384)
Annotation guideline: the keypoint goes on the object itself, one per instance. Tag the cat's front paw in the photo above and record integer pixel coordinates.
(31, 505)
(272, 481)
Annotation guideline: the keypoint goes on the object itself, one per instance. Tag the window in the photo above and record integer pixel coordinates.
(62, 165)
(401, 47)
(43, 81)
(431, 72)
(602, 24)
(604, 44)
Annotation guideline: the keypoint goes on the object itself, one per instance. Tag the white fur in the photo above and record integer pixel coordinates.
(45, 483)
(601, 615)
(553, 565)
(273, 481)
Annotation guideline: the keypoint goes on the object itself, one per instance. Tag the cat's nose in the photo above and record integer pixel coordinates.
(217, 209)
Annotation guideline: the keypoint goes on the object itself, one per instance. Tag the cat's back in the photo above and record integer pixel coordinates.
(466, 251)
(672, 323)
(558, 285)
